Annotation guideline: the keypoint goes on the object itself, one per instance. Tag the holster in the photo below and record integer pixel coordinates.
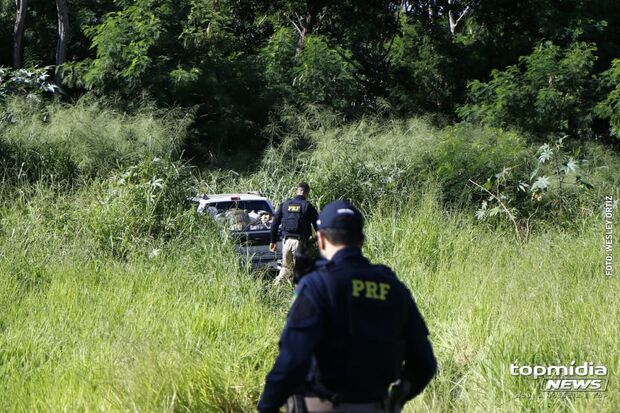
(391, 406)
(305, 259)
(399, 395)
(296, 404)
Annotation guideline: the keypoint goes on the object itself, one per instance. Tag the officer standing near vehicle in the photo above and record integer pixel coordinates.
(297, 216)
(352, 331)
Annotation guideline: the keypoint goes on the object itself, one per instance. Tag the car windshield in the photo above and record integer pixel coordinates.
(256, 205)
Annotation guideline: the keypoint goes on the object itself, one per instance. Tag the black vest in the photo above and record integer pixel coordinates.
(366, 319)
(294, 218)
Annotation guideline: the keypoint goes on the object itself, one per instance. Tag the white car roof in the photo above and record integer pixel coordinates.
(239, 197)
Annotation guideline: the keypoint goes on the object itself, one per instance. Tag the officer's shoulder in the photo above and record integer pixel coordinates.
(385, 270)
(314, 280)
(389, 272)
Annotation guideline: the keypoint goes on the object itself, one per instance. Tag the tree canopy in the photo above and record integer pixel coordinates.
(542, 66)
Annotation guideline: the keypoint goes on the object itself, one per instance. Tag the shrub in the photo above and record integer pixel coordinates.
(609, 108)
(26, 82)
(368, 161)
(58, 142)
(554, 183)
(548, 91)
(142, 206)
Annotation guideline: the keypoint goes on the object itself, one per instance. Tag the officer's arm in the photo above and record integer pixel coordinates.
(420, 364)
(313, 215)
(301, 334)
(275, 224)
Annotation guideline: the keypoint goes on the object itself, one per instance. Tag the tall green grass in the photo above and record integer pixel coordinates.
(174, 324)
(490, 301)
(370, 161)
(114, 296)
(188, 329)
(67, 143)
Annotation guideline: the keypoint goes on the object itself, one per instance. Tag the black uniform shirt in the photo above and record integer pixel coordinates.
(348, 332)
(296, 215)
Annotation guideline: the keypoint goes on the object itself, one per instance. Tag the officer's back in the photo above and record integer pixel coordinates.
(349, 330)
(297, 217)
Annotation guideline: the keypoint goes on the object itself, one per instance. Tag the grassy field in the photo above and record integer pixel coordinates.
(187, 329)
(490, 302)
(113, 297)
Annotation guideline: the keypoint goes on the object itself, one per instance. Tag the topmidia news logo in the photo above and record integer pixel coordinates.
(567, 378)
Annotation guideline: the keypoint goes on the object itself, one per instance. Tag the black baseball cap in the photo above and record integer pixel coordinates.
(340, 214)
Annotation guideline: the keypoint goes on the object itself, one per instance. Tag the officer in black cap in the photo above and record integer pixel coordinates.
(352, 332)
(297, 215)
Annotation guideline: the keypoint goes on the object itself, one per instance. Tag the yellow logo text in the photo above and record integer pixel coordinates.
(370, 289)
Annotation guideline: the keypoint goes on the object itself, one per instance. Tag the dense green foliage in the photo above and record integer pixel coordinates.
(541, 66)
(62, 143)
(22, 82)
(550, 91)
(368, 161)
(610, 107)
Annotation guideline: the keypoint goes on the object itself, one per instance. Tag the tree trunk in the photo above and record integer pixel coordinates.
(452, 20)
(301, 40)
(18, 32)
(63, 32)
(305, 26)
(454, 17)
(432, 11)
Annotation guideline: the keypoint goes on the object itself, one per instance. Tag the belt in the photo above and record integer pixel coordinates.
(317, 405)
(291, 236)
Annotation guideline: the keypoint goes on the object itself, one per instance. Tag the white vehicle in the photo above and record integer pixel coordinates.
(248, 216)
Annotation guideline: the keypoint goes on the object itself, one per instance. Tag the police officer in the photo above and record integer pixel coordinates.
(353, 329)
(297, 215)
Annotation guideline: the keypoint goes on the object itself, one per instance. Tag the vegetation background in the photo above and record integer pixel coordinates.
(480, 139)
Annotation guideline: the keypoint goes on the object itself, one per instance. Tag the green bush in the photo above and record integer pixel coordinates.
(609, 108)
(59, 142)
(547, 92)
(140, 207)
(369, 162)
(31, 83)
(555, 184)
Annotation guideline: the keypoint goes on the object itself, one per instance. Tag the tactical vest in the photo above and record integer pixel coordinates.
(294, 216)
(366, 326)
